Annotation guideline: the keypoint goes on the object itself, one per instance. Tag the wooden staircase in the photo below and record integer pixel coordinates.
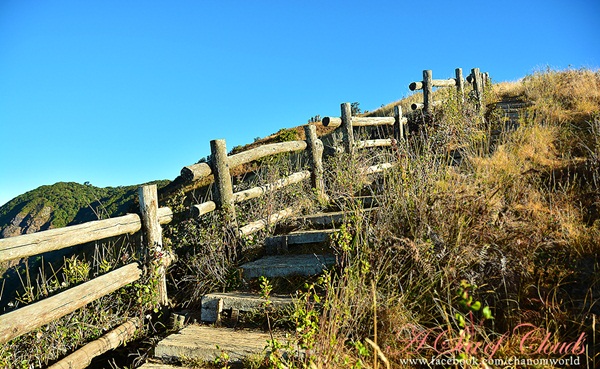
(301, 251)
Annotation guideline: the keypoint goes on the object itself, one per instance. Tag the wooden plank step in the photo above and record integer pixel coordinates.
(330, 219)
(198, 342)
(280, 244)
(213, 304)
(160, 366)
(274, 266)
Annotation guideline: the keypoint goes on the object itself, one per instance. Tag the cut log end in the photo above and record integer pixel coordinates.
(415, 86)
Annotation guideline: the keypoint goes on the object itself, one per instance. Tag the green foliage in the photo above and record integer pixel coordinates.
(65, 203)
(355, 108)
(285, 135)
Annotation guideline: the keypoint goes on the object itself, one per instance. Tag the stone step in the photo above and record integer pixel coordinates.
(161, 366)
(280, 244)
(274, 266)
(330, 220)
(213, 304)
(367, 202)
(197, 342)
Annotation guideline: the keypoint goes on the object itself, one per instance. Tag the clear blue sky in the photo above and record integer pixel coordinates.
(125, 92)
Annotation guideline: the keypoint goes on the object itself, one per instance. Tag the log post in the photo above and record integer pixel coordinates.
(486, 80)
(315, 147)
(428, 91)
(224, 188)
(148, 198)
(476, 78)
(399, 123)
(347, 132)
(460, 85)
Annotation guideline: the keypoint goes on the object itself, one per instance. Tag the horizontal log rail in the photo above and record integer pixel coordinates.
(60, 238)
(260, 152)
(380, 142)
(82, 358)
(378, 168)
(204, 208)
(450, 82)
(417, 106)
(262, 190)
(196, 172)
(272, 219)
(30, 317)
(361, 121)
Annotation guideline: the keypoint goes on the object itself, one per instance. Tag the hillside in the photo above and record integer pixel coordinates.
(487, 221)
(64, 203)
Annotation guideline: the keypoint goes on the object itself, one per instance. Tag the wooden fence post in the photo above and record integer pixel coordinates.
(348, 134)
(477, 85)
(460, 85)
(224, 188)
(428, 91)
(148, 198)
(398, 124)
(315, 147)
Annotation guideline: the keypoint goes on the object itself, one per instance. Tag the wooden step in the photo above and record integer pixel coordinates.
(280, 244)
(274, 266)
(213, 304)
(197, 342)
(329, 220)
(160, 366)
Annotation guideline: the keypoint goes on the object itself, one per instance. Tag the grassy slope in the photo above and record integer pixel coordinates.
(514, 228)
(517, 221)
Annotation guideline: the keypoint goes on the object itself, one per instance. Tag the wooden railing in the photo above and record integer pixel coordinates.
(35, 315)
(222, 164)
(31, 317)
(476, 78)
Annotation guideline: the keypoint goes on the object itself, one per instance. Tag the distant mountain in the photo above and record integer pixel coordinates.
(64, 203)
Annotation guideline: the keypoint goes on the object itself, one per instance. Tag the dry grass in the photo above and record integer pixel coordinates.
(513, 224)
(512, 221)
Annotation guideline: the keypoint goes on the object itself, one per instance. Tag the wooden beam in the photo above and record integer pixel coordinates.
(332, 121)
(204, 208)
(347, 133)
(399, 122)
(224, 188)
(450, 82)
(460, 85)
(82, 358)
(427, 92)
(477, 85)
(56, 239)
(315, 147)
(377, 168)
(372, 121)
(196, 171)
(271, 187)
(165, 215)
(30, 317)
(416, 106)
(381, 142)
(360, 121)
(272, 219)
(148, 199)
(265, 150)
(59, 238)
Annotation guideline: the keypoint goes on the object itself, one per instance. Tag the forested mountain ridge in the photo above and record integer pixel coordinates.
(64, 203)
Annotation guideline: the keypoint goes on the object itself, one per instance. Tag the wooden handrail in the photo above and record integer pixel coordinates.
(55, 239)
(30, 317)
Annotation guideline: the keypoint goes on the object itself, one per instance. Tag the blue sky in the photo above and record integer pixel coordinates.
(125, 92)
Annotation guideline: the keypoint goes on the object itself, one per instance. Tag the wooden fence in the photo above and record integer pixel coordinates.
(476, 78)
(31, 317)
